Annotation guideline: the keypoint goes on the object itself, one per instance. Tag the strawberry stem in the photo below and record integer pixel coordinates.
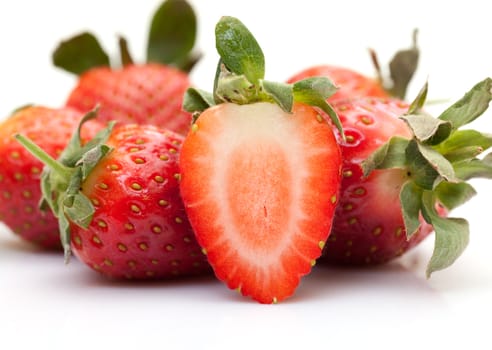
(125, 56)
(44, 157)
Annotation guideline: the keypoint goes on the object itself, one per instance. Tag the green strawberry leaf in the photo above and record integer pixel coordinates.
(64, 227)
(410, 199)
(475, 168)
(80, 53)
(463, 154)
(392, 154)
(420, 170)
(81, 211)
(281, 93)
(452, 195)
(419, 101)
(196, 100)
(438, 162)
(451, 236)
(172, 34)
(428, 129)
(472, 105)
(314, 92)
(464, 144)
(239, 50)
(91, 158)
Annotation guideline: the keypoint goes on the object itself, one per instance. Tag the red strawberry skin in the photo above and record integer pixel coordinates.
(143, 94)
(139, 229)
(260, 188)
(20, 172)
(368, 226)
(351, 84)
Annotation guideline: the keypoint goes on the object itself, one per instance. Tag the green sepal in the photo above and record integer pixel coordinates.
(239, 50)
(81, 211)
(74, 152)
(438, 162)
(472, 105)
(281, 93)
(91, 158)
(314, 92)
(451, 236)
(418, 103)
(172, 35)
(464, 144)
(463, 154)
(196, 100)
(392, 154)
(80, 53)
(419, 168)
(64, 228)
(411, 204)
(475, 168)
(428, 129)
(451, 195)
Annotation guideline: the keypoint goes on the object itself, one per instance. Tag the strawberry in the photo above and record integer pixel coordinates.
(353, 84)
(118, 203)
(403, 172)
(144, 93)
(20, 172)
(260, 171)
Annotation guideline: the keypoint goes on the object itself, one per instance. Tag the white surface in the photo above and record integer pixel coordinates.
(46, 305)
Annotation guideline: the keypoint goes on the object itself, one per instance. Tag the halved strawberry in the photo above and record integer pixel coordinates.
(259, 179)
(260, 186)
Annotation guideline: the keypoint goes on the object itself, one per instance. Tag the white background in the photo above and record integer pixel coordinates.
(46, 305)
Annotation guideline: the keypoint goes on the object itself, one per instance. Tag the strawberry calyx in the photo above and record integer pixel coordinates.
(402, 68)
(61, 179)
(438, 161)
(240, 77)
(171, 39)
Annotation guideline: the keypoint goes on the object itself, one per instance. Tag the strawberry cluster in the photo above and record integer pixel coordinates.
(143, 176)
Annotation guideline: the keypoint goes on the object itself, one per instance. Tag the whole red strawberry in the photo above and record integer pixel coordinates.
(403, 172)
(352, 84)
(260, 172)
(143, 93)
(20, 172)
(119, 204)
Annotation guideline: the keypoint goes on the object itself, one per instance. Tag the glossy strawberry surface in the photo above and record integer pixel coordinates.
(139, 229)
(368, 227)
